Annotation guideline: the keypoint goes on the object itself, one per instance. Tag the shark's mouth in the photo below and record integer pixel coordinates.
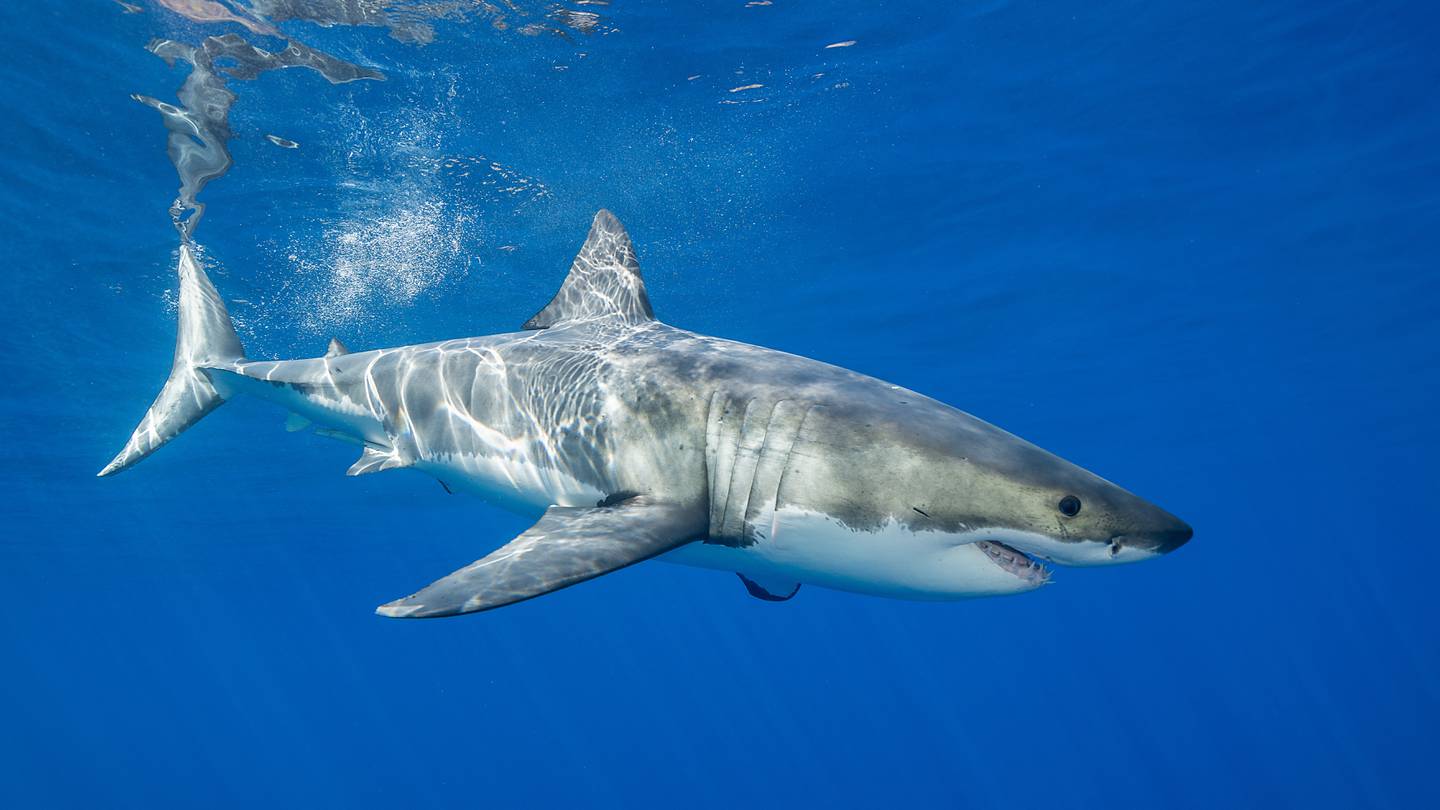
(1014, 561)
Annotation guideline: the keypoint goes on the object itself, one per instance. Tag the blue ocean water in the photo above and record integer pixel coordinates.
(1190, 247)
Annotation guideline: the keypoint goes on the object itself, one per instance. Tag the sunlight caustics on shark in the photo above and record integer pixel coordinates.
(631, 439)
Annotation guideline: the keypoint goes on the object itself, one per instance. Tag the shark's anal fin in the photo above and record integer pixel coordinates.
(604, 281)
(770, 590)
(336, 348)
(567, 546)
(373, 461)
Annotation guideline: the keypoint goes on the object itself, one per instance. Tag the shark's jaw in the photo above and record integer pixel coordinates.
(1039, 547)
(1015, 561)
(891, 560)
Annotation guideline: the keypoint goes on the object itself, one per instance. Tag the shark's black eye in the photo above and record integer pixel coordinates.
(1069, 506)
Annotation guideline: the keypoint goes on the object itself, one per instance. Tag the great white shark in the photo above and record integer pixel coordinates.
(630, 439)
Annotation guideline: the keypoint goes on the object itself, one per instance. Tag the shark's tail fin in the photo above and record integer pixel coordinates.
(205, 337)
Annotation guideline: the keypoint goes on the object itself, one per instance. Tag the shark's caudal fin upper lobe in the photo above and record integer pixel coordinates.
(205, 337)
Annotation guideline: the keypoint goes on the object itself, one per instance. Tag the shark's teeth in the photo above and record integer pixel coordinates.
(1014, 561)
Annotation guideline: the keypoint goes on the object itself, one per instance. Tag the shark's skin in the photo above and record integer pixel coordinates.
(634, 439)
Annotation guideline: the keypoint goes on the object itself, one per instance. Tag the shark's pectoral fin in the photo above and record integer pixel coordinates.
(295, 423)
(373, 460)
(770, 590)
(569, 545)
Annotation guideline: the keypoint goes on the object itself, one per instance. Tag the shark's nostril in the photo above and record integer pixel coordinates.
(1172, 538)
(1154, 541)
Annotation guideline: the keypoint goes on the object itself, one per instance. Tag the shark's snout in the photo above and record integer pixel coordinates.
(1162, 539)
(1175, 537)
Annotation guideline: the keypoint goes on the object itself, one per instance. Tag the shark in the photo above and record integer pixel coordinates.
(628, 439)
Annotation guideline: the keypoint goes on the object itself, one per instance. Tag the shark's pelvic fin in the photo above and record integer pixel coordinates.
(604, 281)
(373, 461)
(568, 545)
(205, 337)
(770, 590)
(336, 348)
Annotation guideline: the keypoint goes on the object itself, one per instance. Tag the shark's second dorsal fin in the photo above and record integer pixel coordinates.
(336, 348)
(604, 281)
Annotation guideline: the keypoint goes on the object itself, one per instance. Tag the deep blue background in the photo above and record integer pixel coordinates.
(1192, 247)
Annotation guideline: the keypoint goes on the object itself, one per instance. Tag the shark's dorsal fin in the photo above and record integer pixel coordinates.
(336, 348)
(604, 281)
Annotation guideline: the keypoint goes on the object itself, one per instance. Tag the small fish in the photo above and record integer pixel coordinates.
(847, 43)
(284, 143)
(746, 87)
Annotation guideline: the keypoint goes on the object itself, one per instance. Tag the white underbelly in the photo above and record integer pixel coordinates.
(814, 548)
(516, 484)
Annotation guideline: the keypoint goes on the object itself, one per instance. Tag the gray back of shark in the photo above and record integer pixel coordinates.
(630, 439)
